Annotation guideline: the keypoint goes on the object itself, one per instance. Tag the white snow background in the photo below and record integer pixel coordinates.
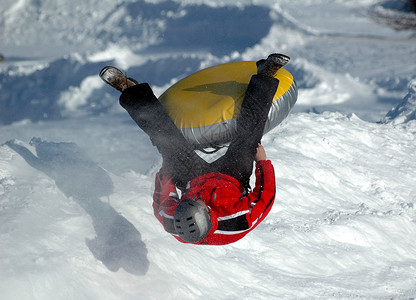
(76, 174)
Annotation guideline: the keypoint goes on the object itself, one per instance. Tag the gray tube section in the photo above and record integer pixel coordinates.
(221, 133)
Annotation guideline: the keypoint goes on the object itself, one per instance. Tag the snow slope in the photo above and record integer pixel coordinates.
(76, 175)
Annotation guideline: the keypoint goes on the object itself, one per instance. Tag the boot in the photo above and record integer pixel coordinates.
(116, 78)
(273, 63)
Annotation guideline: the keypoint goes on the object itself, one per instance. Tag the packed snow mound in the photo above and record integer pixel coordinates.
(76, 226)
(406, 110)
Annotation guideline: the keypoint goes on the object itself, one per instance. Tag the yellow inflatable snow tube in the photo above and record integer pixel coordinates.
(205, 105)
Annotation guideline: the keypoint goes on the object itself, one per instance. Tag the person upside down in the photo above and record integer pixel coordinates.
(217, 206)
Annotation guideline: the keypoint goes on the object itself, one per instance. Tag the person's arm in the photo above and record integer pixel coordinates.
(262, 198)
(165, 201)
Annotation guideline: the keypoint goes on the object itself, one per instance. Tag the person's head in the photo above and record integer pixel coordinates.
(192, 220)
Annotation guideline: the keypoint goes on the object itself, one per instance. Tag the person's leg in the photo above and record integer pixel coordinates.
(179, 158)
(238, 161)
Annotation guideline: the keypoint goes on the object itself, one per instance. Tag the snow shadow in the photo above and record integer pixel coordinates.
(398, 14)
(34, 96)
(118, 243)
(220, 30)
(169, 25)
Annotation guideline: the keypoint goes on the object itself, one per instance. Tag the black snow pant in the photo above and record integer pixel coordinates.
(180, 161)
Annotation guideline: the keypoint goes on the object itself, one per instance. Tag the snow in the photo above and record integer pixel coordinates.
(77, 175)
